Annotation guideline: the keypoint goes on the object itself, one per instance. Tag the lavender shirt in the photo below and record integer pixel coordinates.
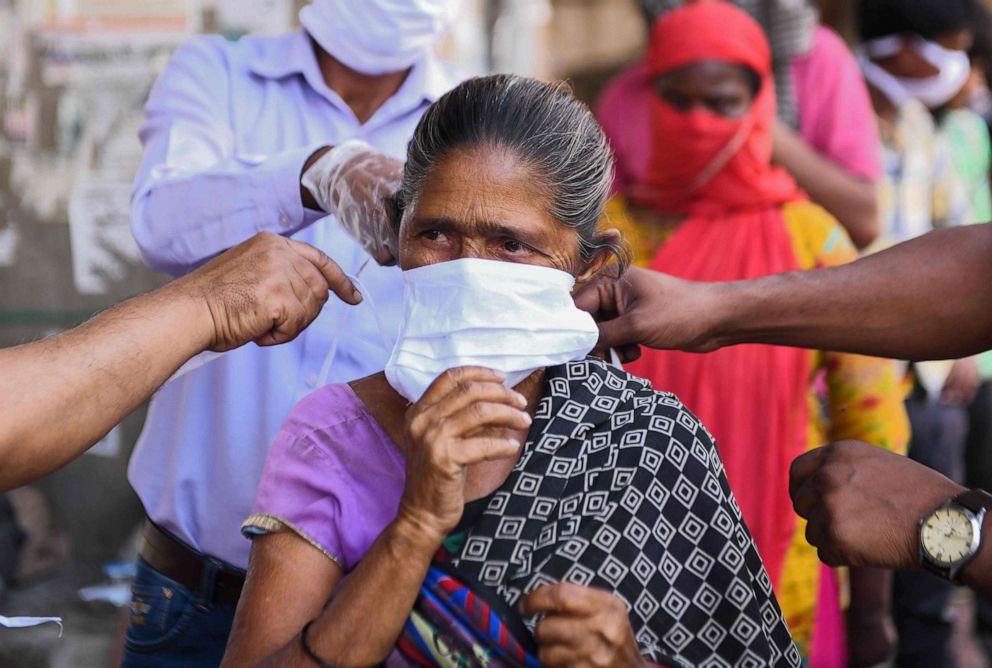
(228, 127)
(333, 476)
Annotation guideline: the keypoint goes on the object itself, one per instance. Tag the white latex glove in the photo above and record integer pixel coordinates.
(356, 182)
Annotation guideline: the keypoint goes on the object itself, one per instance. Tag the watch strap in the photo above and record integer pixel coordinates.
(975, 500)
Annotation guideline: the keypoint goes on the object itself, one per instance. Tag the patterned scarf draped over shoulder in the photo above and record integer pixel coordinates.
(620, 487)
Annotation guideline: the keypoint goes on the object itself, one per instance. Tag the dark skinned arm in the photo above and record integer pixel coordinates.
(62, 394)
(927, 298)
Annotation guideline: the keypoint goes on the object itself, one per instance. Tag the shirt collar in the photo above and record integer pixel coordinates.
(285, 57)
(428, 80)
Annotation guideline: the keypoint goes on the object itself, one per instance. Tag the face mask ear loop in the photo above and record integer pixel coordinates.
(325, 369)
(333, 350)
(386, 345)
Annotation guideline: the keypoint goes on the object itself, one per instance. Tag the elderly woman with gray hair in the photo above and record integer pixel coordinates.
(497, 497)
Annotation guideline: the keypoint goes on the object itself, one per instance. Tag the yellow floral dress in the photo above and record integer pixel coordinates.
(850, 396)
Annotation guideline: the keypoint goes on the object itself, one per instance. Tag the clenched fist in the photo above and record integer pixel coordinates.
(863, 504)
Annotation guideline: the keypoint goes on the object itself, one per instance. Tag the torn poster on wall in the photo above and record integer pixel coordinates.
(100, 234)
(8, 245)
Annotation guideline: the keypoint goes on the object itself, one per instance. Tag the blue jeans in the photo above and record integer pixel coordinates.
(173, 626)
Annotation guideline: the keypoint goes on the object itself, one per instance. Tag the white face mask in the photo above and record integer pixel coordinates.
(953, 70)
(516, 318)
(378, 36)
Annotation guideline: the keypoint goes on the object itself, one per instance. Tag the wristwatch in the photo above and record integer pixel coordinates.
(951, 535)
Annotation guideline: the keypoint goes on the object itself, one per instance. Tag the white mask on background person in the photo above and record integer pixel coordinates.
(512, 317)
(378, 36)
(953, 68)
(878, 77)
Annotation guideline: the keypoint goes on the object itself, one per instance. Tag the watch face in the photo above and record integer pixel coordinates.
(948, 535)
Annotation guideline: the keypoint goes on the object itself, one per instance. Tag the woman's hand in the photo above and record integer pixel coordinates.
(582, 626)
(466, 416)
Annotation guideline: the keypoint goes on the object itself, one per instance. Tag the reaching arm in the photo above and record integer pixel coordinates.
(60, 395)
(853, 201)
(923, 299)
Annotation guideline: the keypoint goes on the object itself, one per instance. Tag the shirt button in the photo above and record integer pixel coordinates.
(284, 219)
(312, 380)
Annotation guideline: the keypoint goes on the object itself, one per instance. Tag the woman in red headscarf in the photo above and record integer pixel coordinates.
(712, 207)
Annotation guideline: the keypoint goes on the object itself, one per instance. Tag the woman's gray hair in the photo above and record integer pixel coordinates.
(545, 126)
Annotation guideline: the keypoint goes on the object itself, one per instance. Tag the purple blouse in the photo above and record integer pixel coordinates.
(332, 475)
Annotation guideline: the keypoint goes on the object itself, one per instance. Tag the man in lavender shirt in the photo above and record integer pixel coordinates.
(231, 129)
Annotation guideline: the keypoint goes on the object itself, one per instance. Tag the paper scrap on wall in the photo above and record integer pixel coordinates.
(99, 234)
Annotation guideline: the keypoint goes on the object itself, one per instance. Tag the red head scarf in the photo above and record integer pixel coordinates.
(703, 161)
(718, 171)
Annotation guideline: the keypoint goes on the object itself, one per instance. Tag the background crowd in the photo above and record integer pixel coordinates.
(846, 139)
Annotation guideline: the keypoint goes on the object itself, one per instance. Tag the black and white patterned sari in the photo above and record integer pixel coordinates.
(620, 487)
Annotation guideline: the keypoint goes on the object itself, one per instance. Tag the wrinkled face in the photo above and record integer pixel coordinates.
(719, 87)
(483, 202)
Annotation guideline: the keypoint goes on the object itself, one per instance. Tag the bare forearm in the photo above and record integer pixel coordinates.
(871, 591)
(361, 624)
(851, 200)
(60, 395)
(928, 298)
(871, 598)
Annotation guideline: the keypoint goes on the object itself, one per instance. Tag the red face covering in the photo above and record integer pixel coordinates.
(718, 172)
(703, 162)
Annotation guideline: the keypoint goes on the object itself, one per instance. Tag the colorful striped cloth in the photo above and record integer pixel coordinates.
(450, 625)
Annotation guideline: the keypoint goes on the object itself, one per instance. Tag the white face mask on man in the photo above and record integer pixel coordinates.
(516, 318)
(953, 68)
(378, 36)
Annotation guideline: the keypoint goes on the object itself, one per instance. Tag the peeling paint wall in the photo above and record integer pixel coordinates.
(74, 75)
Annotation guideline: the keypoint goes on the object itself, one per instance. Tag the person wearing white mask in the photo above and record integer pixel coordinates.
(496, 497)
(913, 62)
(908, 73)
(266, 133)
